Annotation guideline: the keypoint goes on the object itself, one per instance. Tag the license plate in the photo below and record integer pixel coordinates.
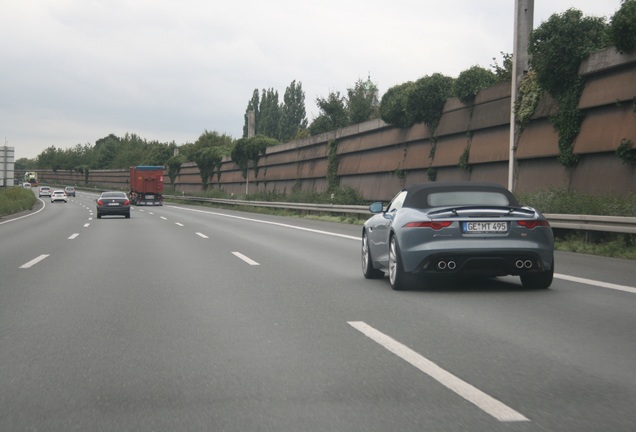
(485, 227)
(113, 204)
(150, 197)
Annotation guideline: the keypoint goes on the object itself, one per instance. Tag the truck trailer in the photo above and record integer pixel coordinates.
(146, 185)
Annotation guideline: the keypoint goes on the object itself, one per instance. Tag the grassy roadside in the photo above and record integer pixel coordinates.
(558, 201)
(15, 199)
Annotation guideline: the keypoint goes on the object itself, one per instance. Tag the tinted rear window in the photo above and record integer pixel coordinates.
(467, 198)
(114, 195)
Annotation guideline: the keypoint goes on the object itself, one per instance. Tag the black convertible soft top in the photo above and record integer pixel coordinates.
(417, 195)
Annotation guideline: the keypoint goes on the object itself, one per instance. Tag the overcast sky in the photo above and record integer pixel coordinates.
(75, 71)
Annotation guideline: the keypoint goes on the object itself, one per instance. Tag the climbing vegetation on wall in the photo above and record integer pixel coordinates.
(332, 166)
(626, 152)
(464, 158)
(528, 99)
(557, 48)
(471, 81)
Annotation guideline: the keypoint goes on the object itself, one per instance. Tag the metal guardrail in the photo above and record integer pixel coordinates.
(326, 208)
(626, 225)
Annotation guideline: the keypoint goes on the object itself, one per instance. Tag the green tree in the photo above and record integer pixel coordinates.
(174, 167)
(471, 81)
(207, 160)
(157, 153)
(559, 44)
(269, 114)
(106, 150)
(503, 72)
(188, 150)
(425, 100)
(622, 29)
(293, 117)
(333, 114)
(393, 105)
(49, 159)
(248, 150)
(212, 139)
(25, 164)
(557, 48)
(130, 151)
(362, 102)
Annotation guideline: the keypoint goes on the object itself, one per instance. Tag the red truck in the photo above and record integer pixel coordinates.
(146, 185)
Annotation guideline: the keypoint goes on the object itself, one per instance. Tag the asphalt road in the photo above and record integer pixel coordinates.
(195, 319)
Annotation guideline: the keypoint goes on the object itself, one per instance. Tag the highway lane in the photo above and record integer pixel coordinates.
(185, 335)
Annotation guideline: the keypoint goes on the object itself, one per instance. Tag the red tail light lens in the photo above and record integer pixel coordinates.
(436, 225)
(100, 202)
(532, 224)
(127, 202)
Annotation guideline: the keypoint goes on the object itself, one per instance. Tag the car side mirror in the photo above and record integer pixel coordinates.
(376, 207)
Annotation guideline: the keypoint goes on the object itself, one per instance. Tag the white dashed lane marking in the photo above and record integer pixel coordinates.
(34, 261)
(472, 394)
(244, 258)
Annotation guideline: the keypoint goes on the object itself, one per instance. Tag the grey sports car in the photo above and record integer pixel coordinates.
(457, 228)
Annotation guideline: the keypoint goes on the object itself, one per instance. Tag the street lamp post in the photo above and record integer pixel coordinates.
(524, 13)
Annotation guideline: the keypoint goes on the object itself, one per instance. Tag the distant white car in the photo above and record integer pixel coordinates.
(58, 195)
(26, 185)
(44, 191)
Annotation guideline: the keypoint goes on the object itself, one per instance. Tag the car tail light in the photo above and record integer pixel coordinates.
(100, 202)
(436, 225)
(532, 224)
(127, 202)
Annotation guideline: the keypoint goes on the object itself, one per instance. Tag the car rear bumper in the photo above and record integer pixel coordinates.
(113, 210)
(512, 257)
(487, 263)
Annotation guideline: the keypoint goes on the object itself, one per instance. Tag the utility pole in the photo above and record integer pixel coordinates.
(524, 16)
(251, 131)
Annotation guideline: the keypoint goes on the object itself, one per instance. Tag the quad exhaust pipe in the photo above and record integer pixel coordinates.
(451, 265)
(520, 264)
(446, 265)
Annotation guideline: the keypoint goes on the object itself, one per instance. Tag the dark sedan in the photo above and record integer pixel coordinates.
(113, 203)
(457, 228)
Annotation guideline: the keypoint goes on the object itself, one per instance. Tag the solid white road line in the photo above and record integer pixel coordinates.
(34, 261)
(25, 216)
(272, 223)
(73, 236)
(202, 235)
(596, 283)
(357, 238)
(244, 258)
(486, 403)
